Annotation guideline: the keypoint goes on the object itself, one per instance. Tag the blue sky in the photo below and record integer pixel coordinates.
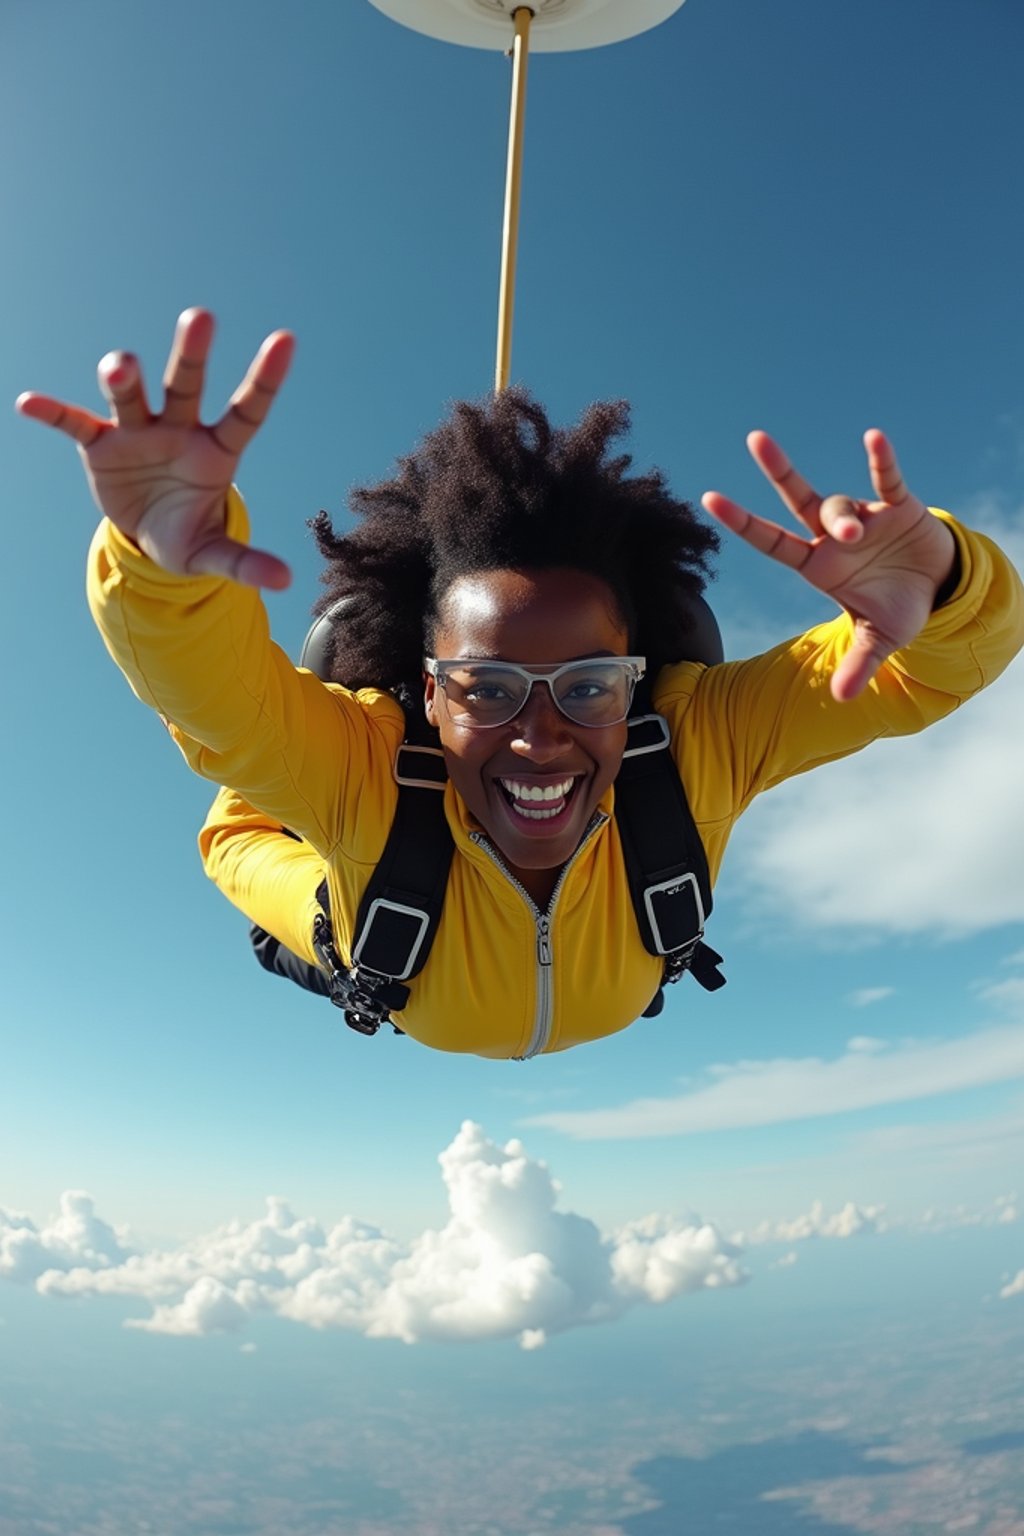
(801, 217)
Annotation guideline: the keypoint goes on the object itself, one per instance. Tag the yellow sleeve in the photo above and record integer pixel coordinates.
(742, 727)
(272, 878)
(198, 650)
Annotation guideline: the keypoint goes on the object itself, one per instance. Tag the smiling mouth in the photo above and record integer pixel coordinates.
(536, 802)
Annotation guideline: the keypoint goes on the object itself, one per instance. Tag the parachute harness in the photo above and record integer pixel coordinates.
(401, 907)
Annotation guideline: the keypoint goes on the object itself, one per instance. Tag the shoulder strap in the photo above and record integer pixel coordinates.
(666, 864)
(401, 908)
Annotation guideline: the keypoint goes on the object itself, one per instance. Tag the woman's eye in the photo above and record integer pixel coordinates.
(586, 691)
(487, 693)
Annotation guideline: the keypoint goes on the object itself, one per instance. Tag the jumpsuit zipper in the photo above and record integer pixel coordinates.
(541, 1034)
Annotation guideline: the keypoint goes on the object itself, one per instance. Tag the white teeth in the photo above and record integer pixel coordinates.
(527, 798)
(525, 792)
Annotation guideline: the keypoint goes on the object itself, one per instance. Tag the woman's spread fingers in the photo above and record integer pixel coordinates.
(185, 373)
(83, 426)
(800, 497)
(239, 562)
(886, 476)
(767, 538)
(249, 405)
(841, 518)
(120, 380)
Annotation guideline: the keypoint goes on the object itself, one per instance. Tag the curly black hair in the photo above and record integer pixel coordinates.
(496, 487)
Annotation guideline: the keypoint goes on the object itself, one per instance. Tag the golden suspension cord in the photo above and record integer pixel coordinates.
(510, 233)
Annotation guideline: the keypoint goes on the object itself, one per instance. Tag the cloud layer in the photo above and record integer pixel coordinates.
(507, 1262)
(76, 1238)
(752, 1093)
(851, 1220)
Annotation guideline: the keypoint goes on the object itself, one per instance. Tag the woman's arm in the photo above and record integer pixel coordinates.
(885, 561)
(271, 877)
(748, 725)
(173, 587)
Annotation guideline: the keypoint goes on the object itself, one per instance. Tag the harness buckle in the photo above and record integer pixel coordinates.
(646, 733)
(411, 935)
(353, 991)
(426, 771)
(666, 915)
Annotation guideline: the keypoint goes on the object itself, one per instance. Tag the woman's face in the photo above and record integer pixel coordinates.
(537, 619)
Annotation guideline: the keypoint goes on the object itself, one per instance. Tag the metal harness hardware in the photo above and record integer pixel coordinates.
(365, 998)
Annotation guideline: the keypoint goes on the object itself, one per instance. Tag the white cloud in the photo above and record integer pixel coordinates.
(1007, 1210)
(751, 1093)
(787, 1261)
(1007, 994)
(854, 1220)
(991, 514)
(1014, 1287)
(76, 1239)
(865, 996)
(851, 1220)
(507, 1263)
(899, 825)
(1003, 1211)
(532, 1338)
(207, 1307)
(980, 1139)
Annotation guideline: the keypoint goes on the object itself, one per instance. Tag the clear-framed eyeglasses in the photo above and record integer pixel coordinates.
(482, 694)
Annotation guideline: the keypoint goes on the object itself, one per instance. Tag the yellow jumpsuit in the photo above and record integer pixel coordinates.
(502, 979)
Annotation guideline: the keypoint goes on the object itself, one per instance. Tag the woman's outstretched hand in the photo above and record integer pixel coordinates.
(883, 561)
(162, 477)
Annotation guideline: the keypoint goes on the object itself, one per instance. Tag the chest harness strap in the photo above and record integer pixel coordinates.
(666, 865)
(401, 907)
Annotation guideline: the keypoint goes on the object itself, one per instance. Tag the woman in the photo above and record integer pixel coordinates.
(502, 542)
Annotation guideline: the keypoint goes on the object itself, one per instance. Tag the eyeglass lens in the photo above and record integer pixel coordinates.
(590, 693)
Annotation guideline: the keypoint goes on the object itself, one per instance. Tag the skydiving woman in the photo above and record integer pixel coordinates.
(527, 580)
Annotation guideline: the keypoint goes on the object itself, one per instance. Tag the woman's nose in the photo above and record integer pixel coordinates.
(540, 730)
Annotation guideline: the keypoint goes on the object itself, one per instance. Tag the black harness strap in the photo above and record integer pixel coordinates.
(666, 865)
(401, 907)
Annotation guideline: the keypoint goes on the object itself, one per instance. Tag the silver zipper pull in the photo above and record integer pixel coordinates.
(543, 941)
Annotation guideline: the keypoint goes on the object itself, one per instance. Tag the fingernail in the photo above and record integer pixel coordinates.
(120, 367)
